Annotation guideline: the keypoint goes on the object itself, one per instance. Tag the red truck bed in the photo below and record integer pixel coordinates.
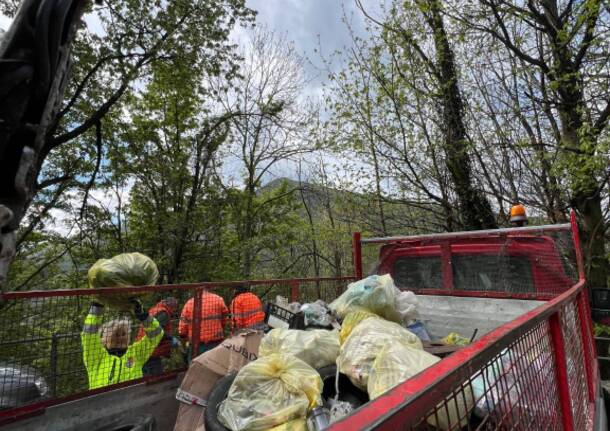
(537, 371)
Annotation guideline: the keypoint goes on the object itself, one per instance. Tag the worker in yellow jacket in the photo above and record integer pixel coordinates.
(108, 357)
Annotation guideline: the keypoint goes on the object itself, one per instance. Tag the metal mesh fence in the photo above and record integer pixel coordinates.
(577, 378)
(521, 262)
(529, 374)
(55, 344)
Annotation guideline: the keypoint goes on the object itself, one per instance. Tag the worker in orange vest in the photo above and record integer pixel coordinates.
(246, 310)
(163, 311)
(214, 317)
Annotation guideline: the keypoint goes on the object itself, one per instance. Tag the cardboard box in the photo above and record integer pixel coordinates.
(204, 372)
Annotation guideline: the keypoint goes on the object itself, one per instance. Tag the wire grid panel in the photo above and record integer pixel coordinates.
(54, 347)
(326, 290)
(577, 377)
(519, 263)
(515, 390)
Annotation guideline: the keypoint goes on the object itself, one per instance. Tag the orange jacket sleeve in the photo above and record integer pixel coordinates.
(186, 319)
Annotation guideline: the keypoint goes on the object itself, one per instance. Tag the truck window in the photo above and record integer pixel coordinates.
(492, 273)
(416, 272)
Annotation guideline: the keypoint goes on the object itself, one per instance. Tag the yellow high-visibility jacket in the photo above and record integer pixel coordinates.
(104, 369)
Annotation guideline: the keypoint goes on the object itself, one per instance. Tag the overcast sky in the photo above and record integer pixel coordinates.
(312, 25)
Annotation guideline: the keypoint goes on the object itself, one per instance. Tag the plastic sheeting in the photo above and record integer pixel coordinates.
(376, 294)
(318, 348)
(396, 363)
(269, 392)
(127, 269)
(364, 344)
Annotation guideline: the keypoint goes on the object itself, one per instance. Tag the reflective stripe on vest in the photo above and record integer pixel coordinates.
(248, 313)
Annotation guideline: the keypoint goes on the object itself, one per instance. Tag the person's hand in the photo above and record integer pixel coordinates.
(139, 312)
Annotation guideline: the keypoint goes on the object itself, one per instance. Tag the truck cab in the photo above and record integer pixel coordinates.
(519, 264)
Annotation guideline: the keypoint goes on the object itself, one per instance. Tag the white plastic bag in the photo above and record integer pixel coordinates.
(406, 305)
(318, 347)
(316, 313)
(364, 344)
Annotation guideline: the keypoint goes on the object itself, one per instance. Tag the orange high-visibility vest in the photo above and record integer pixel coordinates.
(164, 349)
(247, 311)
(214, 315)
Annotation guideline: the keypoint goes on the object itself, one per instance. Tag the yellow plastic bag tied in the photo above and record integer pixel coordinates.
(350, 322)
(127, 269)
(364, 344)
(396, 363)
(269, 392)
(318, 348)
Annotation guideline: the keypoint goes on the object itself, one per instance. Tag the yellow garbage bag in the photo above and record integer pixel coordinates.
(318, 347)
(364, 344)
(455, 339)
(397, 363)
(350, 322)
(394, 364)
(376, 294)
(293, 425)
(127, 269)
(269, 392)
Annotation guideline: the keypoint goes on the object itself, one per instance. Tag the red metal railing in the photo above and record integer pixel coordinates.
(547, 380)
(40, 332)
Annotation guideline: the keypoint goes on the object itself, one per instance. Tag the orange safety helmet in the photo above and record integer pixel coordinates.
(517, 213)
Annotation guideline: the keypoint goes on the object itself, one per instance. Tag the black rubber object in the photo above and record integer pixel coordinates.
(347, 390)
(218, 394)
(140, 423)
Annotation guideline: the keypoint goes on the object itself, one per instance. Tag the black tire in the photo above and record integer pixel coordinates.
(218, 395)
(141, 423)
(347, 391)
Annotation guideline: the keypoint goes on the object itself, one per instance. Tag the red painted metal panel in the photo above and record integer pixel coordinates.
(196, 332)
(446, 266)
(159, 288)
(357, 255)
(294, 292)
(587, 344)
(562, 372)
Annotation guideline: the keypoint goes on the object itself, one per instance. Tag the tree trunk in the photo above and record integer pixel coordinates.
(27, 112)
(475, 209)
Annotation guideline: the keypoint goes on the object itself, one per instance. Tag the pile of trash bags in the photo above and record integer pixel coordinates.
(122, 270)
(282, 389)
